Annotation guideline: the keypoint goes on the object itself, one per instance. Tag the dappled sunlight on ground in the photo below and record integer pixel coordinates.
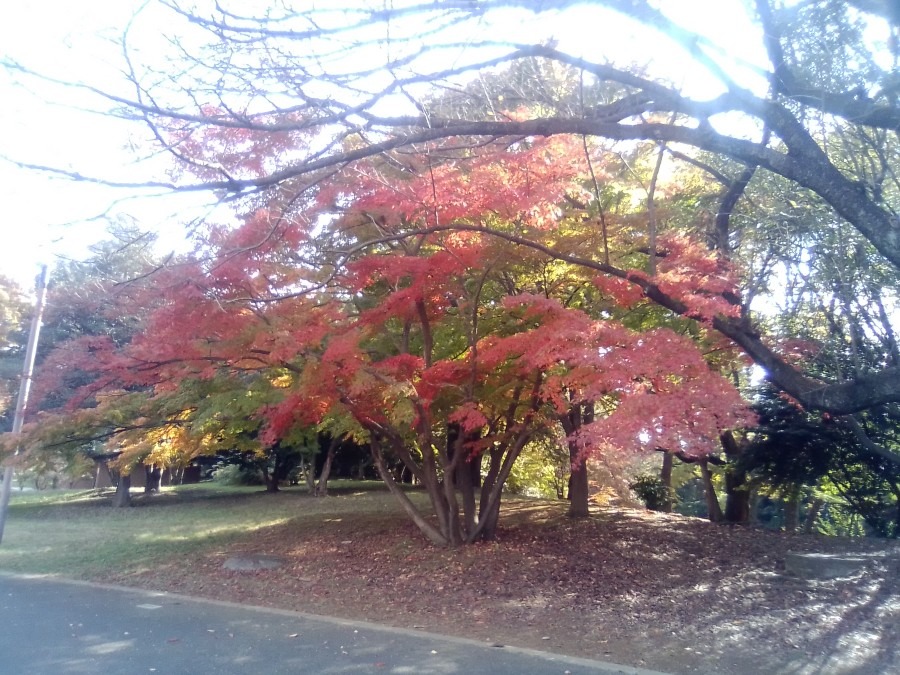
(201, 532)
(652, 590)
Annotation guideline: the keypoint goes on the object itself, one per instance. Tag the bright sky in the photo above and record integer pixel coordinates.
(45, 217)
(40, 35)
(48, 217)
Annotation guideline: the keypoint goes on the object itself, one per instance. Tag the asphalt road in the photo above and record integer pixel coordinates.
(52, 626)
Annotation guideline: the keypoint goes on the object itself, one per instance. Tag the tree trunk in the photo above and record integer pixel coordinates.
(467, 486)
(494, 457)
(153, 476)
(578, 485)
(454, 525)
(737, 498)
(123, 492)
(435, 490)
(713, 510)
(491, 492)
(895, 489)
(791, 506)
(754, 507)
(491, 519)
(579, 493)
(434, 536)
(737, 490)
(665, 477)
(269, 479)
(809, 525)
(322, 486)
(456, 467)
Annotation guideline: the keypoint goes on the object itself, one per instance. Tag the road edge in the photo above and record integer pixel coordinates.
(350, 623)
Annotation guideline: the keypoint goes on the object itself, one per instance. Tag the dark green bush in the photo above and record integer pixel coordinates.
(653, 492)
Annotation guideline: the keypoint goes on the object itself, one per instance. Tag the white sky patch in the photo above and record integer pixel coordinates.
(47, 217)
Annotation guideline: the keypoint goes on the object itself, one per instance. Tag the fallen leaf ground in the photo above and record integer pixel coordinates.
(657, 591)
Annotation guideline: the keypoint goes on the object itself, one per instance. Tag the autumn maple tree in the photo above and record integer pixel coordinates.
(354, 80)
(393, 296)
(790, 129)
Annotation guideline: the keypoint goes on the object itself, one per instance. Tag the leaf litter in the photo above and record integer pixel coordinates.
(660, 591)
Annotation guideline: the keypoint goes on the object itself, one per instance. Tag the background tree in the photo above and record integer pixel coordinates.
(827, 470)
(14, 313)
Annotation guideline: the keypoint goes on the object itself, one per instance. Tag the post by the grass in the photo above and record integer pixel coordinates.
(24, 388)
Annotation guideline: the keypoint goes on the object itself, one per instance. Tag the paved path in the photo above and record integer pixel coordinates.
(57, 627)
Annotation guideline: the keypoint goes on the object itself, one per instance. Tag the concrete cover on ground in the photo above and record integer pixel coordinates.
(73, 628)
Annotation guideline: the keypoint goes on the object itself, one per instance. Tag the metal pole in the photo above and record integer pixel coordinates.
(24, 388)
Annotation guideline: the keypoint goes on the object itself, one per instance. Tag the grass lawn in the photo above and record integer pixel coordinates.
(77, 534)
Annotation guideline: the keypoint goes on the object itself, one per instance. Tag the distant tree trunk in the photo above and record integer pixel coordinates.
(561, 492)
(104, 471)
(895, 489)
(753, 507)
(322, 486)
(713, 510)
(791, 506)
(665, 477)
(812, 515)
(579, 492)
(123, 492)
(579, 489)
(737, 498)
(269, 478)
(737, 490)
(308, 468)
(153, 475)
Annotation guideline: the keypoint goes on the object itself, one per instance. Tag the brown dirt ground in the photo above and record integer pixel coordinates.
(657, 591)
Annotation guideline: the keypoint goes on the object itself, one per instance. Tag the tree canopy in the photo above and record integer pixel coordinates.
(331, 83)
(453, 237)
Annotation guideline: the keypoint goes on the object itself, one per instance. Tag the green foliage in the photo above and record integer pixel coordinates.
(691, 497)
(839, 519)
(792, 448)
(236, 474)
(14, 312)
(541, 470)
(653, 492)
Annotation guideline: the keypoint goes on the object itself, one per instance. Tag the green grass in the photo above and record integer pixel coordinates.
(77, 534)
